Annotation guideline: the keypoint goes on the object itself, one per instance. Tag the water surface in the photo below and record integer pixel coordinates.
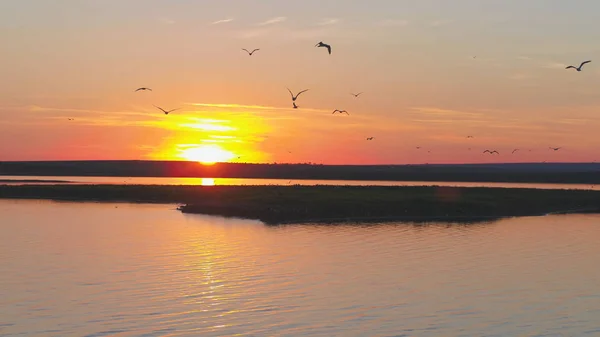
(88, 269)
(24, 180)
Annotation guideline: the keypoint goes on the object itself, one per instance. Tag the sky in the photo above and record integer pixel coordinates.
(432, 72)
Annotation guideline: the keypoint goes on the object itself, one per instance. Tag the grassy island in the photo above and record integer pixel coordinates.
(297, 204)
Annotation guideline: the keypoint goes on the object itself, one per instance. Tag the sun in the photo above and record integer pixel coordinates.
(207, 154)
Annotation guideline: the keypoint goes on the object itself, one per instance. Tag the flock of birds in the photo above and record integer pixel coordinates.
(321, 44)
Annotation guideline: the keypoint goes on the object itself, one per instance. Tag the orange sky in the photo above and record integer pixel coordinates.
(82, 60)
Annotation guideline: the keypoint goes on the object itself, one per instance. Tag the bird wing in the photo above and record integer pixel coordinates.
(161, 109)
(298, 94)
(255, 50)
(328, 48)
(319, 44)
(584, 62)
(173, 110)
(334, 111)
(290, 92)
(569, 67)
(246, 50)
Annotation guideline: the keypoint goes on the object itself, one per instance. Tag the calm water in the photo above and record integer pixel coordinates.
(147, 270)
(236, 181)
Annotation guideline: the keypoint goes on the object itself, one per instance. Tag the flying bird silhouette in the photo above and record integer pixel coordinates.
(356, 95)
(321, 44)
(165, 111)
(469, 136)
(295, 106)
(250, 52)
(515, 150)
(340, 111)
(491, 152)
(298, 94)
(555, 148)
(370, 138)
(578, 68)
(142, 89)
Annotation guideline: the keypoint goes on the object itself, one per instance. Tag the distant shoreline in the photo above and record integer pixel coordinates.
(551, 173)
(330, 204)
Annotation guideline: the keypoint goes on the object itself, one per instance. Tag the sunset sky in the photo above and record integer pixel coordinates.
(414, 61)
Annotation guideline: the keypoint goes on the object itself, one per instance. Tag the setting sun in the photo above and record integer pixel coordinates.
(207, 154)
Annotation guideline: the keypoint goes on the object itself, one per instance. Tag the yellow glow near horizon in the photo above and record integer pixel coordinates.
(207, 154)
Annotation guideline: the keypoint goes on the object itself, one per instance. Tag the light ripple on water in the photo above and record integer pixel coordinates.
(139, 270)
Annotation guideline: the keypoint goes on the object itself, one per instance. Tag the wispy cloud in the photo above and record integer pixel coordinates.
(445, 112)
(273, 21)
(392, 23)
(166, 21)
(222, 21)
(329, 21)
(234, 106)
(439, 23)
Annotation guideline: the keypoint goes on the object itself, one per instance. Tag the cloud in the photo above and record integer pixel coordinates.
(166, 21)
(234, 106)
(329, 21)
(222, 21)
(392, 23)
(273, 21)
(445, 112)
(439, 23)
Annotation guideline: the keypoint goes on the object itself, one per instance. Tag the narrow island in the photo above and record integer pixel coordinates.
(330, 204)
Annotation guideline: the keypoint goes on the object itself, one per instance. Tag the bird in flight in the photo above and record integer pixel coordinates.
(515, 150)
(555, 148)
(340, 111)
(321, 44)
(578, 68)
(370, 138)
(165, 111)
(295, 106)
(356, 95)
(143, 89)
(491, 152)
(298, 94)
(250, 52)
(469, 136)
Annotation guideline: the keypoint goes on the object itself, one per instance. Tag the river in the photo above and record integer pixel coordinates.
(25, 180)
(103, 269)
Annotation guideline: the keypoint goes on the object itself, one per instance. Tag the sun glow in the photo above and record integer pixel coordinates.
(207, 154)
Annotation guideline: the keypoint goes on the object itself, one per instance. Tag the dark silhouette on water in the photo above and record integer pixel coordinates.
(580, 66)
(250, 52)
(165, 111)
(321, 44)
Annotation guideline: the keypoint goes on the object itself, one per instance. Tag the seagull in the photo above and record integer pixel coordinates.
(555, 148)
(142, 89)
(341, 112)
(250, 52)
(515, 150)
(370, 138)
(321, 44)
(578, 68)
(298, 94)
(165, 111)
(469, 136)
(356, 95)
(491, 152)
